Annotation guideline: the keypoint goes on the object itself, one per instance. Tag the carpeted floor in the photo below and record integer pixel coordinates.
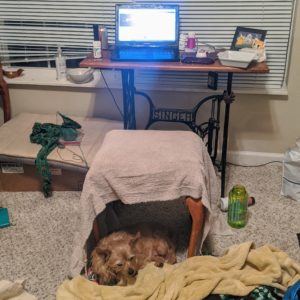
(38, 245)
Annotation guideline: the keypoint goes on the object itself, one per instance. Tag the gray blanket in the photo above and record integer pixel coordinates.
(144, 166)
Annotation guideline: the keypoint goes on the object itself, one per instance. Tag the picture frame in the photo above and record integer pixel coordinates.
(245, 37)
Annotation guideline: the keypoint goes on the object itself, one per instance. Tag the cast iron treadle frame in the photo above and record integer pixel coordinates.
(209, 129)
(128, 99)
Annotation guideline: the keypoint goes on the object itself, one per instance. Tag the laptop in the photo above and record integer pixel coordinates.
(146, 32)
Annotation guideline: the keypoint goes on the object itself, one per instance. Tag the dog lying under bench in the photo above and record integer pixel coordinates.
(118, 257)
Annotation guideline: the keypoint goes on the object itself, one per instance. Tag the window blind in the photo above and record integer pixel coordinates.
(31, 30)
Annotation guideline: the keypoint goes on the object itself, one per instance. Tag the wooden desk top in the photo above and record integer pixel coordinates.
(106, 63)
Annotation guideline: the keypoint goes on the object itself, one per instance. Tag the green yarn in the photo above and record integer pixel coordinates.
(48, 135)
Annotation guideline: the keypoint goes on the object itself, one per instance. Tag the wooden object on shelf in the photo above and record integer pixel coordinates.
(5, 97)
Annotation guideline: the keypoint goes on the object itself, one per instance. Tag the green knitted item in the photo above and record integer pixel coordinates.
(261, 292)
(48, 136)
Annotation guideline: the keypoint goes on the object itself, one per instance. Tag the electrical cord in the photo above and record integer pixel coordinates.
(293, 182)
(75, 157)
(260, 165)
(112, 95)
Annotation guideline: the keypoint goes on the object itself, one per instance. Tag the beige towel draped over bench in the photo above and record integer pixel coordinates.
(124, 169)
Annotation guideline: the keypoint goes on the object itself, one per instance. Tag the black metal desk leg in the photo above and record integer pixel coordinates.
(128, 99)
(228, 99)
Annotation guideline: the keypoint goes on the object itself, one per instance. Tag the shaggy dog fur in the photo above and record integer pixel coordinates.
(119, 256)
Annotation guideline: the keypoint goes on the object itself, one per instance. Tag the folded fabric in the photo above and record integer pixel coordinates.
(14, 291)
(238, 272)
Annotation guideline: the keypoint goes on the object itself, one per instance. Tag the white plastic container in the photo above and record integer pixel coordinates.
(97, 49)
(239, 59)
(182, 41)
(60, 63)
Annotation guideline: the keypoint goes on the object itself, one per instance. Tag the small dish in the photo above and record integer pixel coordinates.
(80, 75)
(13, 73)
(237, 59)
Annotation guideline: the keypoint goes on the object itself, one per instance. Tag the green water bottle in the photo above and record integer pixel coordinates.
(237, 207)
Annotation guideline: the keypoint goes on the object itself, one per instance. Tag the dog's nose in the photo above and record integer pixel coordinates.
(131, 272)
(113, 281)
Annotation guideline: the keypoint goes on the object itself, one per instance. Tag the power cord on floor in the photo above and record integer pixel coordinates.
(112, 95)
(260, 165)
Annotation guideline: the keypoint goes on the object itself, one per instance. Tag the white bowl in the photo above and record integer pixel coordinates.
(237, 59)
(80, 75)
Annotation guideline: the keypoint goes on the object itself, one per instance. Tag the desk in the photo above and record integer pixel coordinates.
(209, 129)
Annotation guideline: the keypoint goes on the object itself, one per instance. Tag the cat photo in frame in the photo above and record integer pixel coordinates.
(245, 37)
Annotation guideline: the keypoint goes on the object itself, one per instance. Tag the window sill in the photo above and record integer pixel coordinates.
(47, 77)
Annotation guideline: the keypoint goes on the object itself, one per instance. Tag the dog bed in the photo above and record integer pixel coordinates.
(68, 165)
(239, 271)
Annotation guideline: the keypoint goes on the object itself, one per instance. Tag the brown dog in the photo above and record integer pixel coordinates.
(119, 256)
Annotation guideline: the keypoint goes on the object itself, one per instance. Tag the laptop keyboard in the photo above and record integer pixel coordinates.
(147, 54)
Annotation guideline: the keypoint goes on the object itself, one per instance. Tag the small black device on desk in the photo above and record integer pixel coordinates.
(191, 58)
(197, 60)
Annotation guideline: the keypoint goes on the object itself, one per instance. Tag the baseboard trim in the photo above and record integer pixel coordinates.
(252, 158)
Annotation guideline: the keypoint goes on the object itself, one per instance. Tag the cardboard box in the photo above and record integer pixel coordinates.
(18, 177)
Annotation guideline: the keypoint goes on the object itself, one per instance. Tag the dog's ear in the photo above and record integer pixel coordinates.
(134, 238)
(103, 253)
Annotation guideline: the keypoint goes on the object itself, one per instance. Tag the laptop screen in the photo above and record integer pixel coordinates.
(147, 25)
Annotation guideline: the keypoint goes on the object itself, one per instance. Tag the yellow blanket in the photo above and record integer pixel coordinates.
(238, 272)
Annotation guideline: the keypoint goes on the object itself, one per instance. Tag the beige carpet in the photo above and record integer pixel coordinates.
(38, 246)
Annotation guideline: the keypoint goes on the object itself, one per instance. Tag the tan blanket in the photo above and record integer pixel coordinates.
(124, 169)
(238, 272)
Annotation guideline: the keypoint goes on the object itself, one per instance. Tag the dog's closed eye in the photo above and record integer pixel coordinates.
(119, 264)
(131, 258)
(104, 253)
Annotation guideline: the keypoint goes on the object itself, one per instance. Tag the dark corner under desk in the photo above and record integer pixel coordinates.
(209, 129)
